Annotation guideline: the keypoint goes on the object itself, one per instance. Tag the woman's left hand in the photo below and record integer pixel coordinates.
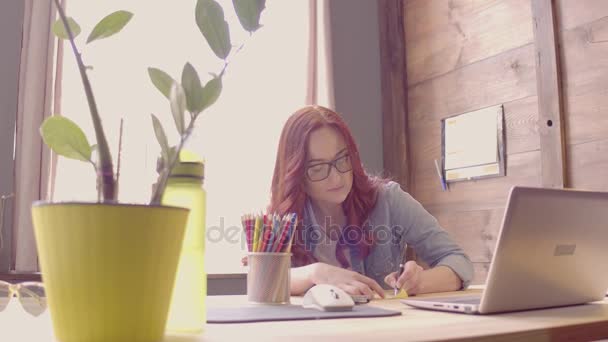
(409, 280)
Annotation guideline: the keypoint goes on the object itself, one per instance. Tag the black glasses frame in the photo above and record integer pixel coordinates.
(330, 165)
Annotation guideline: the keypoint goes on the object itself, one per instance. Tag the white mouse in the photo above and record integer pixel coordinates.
(326, 297)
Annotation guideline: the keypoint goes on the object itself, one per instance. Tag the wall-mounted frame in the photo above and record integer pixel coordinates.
(472, 145)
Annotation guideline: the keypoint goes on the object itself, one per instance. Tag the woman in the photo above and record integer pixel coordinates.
(353, 226)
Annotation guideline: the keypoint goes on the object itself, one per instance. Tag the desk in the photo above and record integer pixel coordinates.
(582, 322)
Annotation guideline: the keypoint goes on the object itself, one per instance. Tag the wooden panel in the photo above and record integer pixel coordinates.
(394, 80)
(550, 110)
(521, 125)
(506, 77)
(587, 120)
(584, 42)
(585, 78)
(475, 231)
(520, 128)
(588, 165)
(443, 35)
(490, 193)
(575, 13)
(574, 323)
(481, 272)
(587, 46)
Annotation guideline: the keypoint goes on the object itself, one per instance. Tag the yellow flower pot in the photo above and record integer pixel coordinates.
(108, 269)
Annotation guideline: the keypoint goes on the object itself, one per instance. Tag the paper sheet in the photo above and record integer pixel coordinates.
(471, 139)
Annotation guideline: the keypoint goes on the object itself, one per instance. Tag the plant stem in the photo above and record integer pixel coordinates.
(105, 169)
(119, 152)
(164, 175)
(162, 181)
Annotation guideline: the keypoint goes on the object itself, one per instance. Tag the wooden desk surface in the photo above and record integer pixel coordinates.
(582, 322)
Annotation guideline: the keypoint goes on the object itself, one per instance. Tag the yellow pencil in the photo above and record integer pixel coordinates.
(256, 233)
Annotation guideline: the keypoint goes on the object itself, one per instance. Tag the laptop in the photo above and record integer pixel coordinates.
(551, 251)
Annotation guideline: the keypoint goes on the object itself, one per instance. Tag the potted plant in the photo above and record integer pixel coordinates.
(109, 267)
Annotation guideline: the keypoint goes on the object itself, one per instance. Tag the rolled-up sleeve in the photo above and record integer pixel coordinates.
(422, 231)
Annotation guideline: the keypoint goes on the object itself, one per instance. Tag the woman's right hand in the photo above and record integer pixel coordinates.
(352, 282)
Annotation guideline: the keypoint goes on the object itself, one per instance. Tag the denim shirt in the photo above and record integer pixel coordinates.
(398, 220)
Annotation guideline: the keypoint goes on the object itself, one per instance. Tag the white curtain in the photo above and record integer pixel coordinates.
(320, 59)
(325, 79)
(32, 161)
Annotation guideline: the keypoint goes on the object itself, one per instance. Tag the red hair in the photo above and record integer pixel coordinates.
(288, 195)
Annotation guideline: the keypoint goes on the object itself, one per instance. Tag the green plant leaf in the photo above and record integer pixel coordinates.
(249, 12)
(110, 25)
(194, 90)
(60, 31)
(159, 131)
(211, 92)
(210, 20)
(162, 81)
(178, 106)
(65, 138)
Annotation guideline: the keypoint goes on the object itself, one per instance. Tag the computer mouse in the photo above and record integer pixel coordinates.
(326, 297)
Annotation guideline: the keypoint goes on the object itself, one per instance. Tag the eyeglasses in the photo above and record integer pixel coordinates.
(30, 294)
(320, 171)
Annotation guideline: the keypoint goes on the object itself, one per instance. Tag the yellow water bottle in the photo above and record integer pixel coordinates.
(185, 189)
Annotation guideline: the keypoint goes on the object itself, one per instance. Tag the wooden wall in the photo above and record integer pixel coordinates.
(463, 55)
(584, 59)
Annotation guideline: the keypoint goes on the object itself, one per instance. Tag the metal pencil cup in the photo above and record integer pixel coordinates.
(268, 278)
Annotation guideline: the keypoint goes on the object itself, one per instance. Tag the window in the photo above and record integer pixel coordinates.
(265, 82)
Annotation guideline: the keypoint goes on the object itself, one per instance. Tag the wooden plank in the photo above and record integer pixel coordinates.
(586, 120)
(503, 78)
(475, 231)
(490, 193)
(394, 81)
(443, 35)
(588, 165)
(481, 270)
(521, 125)
(574, 323)
(585, 80)
(571, 14)
(550, 109)
(520, 128)
(584, 45)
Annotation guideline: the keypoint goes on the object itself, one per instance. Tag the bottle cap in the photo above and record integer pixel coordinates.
(189, 169)
(189, 165)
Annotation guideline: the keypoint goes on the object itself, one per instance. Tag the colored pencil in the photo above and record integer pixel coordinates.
(284, 234)
(256, 233)
(292, 234)
(273, 232)
(270, 233)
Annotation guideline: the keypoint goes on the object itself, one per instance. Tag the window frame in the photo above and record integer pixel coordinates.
(11, 14)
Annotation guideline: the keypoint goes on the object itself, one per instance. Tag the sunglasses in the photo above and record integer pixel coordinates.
(30, 294)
